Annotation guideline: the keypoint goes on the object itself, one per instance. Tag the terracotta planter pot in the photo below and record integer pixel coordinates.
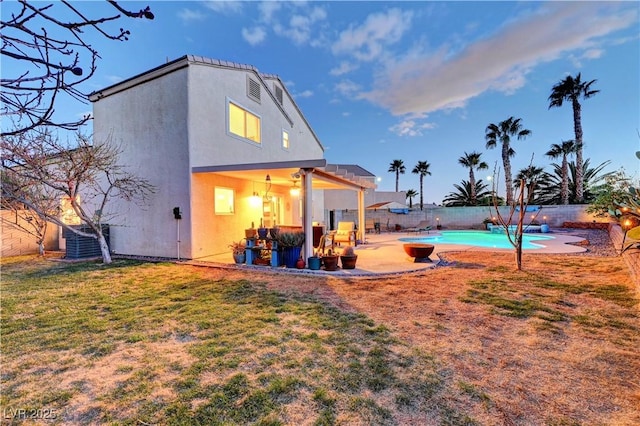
(348, 262)
(420, 252)
(330, 263)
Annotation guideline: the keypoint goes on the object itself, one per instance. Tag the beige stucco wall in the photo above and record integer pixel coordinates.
(213, 232)
(175, 122)
(149, 123)
(210, 88)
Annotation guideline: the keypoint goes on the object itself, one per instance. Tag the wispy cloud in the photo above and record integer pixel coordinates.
(254, 36)
(439, 80)
(347, 88)
(190, 15)
(410, 127)
(267, 10)
(367, 42)
(344, 68)
(303, 94)
(300, 26)
(589, 54)
(227, 7)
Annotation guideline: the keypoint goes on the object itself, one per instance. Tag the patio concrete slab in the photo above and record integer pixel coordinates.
(383, 254)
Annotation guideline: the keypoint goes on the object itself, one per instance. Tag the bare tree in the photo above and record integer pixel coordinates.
(51, 56)
(39, 171)
(518, 205)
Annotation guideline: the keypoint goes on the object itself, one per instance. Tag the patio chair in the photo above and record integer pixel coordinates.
(372, 226)
(369, 225)
(422, 226)
(326, 241)
(346, 233)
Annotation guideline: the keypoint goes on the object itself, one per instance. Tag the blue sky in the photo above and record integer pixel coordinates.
(416, 81)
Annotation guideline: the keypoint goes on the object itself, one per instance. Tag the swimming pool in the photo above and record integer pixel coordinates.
(479, 239)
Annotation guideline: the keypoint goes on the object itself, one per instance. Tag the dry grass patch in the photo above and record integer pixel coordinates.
(472, 343)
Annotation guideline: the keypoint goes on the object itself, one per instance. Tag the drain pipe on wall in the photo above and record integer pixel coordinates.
(177, 215)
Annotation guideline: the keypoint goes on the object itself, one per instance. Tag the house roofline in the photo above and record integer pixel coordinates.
(178, 64)
(183, 62)
(139, 79)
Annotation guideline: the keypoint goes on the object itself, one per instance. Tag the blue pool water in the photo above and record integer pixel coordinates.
(479, 239)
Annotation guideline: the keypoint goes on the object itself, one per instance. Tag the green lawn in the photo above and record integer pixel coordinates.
(141, 343)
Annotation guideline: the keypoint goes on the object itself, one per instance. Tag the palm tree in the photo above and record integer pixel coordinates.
(410, 194)
(472, 161)
(397, 167)
(534, 178)
(572, 89)
(463, 195)
(563, 150)
(592, 177)
(421, 169)
(502, 133)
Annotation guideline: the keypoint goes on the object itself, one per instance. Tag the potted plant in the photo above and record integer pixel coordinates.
(273, 232)
(238, 250)
(314, 262)
(290, 243)
(348, 258)
(330, 261)
(250, 233)
(263, 258)
(262, 231)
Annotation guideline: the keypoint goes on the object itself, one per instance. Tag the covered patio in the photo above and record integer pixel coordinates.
(309, 178)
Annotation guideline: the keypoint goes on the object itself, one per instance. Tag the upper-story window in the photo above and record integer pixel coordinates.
(244, 123)
(285, 139)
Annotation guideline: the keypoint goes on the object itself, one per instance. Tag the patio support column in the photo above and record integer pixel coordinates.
(361, 222)
(307, 212)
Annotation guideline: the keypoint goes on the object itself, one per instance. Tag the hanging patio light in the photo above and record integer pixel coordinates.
(267, 188)
(255, 200)
(295, 190)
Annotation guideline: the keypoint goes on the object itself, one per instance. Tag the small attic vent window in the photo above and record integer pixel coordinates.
(253, 89)
(279, 94)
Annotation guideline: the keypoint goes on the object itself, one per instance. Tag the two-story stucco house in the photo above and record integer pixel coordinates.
(224, 144)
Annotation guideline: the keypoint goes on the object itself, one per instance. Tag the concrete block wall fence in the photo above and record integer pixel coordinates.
(471, 217)
(15, 242)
